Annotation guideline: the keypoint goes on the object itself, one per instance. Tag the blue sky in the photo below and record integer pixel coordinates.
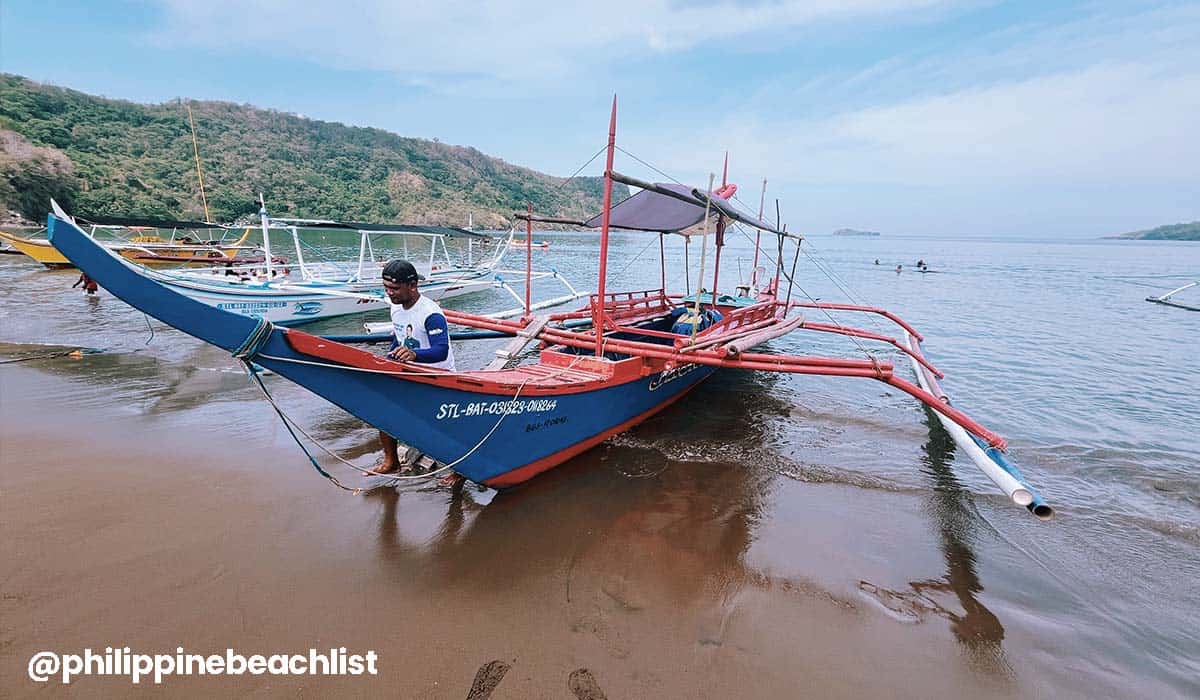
(930, 117)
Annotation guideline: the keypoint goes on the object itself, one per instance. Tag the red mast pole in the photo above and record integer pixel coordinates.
(720, 234)
(598, 310)
(528, 257)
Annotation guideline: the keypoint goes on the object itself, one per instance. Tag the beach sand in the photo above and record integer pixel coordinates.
(160, 529)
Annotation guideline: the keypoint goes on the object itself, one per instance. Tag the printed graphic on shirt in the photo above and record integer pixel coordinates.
(411, 329)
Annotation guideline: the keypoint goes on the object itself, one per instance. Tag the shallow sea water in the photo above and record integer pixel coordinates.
(739, 523)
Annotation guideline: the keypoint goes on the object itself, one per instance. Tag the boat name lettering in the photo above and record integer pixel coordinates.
(671, 375)
(557, 420)
(251, 305)
(453, 411)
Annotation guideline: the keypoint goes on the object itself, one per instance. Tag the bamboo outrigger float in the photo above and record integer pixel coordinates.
(601, 369)
(1166, 299)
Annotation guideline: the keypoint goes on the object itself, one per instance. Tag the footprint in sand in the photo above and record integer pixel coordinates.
(584, 686)
(487, 678)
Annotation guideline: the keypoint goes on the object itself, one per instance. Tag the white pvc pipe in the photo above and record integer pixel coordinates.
(362, 254)
(1006, 482)
(1176, 291)
(266, 234)
(299, 255)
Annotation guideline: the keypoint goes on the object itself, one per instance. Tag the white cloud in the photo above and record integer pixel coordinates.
(1103, 100)
(510, 40)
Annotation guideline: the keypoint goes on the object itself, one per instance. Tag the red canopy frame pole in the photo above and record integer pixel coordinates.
(778, 269)
(598, 311)
(528, 257)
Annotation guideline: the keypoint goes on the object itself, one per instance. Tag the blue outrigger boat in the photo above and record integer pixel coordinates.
(601, 370)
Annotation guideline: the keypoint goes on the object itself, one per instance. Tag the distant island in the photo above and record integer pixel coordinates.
(1174, 232)
(854, 232)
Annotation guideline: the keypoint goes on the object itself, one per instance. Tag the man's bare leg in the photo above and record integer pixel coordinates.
(390, 461)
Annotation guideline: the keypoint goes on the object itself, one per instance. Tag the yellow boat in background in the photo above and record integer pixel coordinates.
(37, 249)
(142, 249)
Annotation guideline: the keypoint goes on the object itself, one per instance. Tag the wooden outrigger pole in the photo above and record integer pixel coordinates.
(762, 199)
(528, 257)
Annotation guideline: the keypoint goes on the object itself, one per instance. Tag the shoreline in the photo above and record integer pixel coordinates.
(708, 579)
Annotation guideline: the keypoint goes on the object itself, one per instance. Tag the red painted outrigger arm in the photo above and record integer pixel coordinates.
(651, 303)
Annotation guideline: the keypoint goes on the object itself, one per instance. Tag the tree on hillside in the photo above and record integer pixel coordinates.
(30, 176)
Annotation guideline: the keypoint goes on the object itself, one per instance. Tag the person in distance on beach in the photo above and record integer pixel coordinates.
(419, 335)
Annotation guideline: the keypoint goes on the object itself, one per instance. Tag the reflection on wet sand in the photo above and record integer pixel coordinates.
(193, 376)
(976, 628)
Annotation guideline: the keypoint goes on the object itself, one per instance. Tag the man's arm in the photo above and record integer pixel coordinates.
(439, 340)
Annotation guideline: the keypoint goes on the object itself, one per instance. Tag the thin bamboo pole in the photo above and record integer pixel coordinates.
(199, 175)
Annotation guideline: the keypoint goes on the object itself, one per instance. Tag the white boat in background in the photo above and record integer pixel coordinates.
(521, 243)
(302, 291)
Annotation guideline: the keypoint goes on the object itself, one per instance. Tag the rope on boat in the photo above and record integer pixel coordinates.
(255, 341)
(288, 423)
(149, 328)
(386, 479)
(791, 281)
(578, 170)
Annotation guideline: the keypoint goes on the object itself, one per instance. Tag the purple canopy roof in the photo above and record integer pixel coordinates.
(669, 207)
(650, 211)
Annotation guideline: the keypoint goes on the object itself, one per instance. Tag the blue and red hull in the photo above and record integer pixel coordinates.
(496, 429)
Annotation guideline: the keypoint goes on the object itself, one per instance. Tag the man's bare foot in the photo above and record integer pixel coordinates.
(384, 467)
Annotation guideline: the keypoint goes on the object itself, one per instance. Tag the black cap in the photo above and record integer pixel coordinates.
(400, 272)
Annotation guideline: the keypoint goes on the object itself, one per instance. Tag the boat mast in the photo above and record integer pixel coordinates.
(598, 310)
(199, 175)
(720, 232)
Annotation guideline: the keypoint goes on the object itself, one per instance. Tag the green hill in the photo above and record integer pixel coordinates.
(114, 157)
(1173, 232)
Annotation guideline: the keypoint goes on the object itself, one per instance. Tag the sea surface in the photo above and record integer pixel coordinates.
(768, 532)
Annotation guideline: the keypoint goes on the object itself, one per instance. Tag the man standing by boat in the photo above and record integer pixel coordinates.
(419, 335)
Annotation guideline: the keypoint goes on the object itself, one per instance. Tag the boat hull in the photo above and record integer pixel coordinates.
(292, 306)
(167, 255)
(494, 439)
(496, 436)
(40, 251)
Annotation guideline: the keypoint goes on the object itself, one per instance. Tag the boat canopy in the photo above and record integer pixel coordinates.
(445, 231)
(670, 207)
(139, 222)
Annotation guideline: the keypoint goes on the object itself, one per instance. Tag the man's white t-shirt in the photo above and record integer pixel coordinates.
(409, 327)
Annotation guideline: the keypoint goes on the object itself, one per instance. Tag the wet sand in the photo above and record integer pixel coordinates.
(623, 572)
